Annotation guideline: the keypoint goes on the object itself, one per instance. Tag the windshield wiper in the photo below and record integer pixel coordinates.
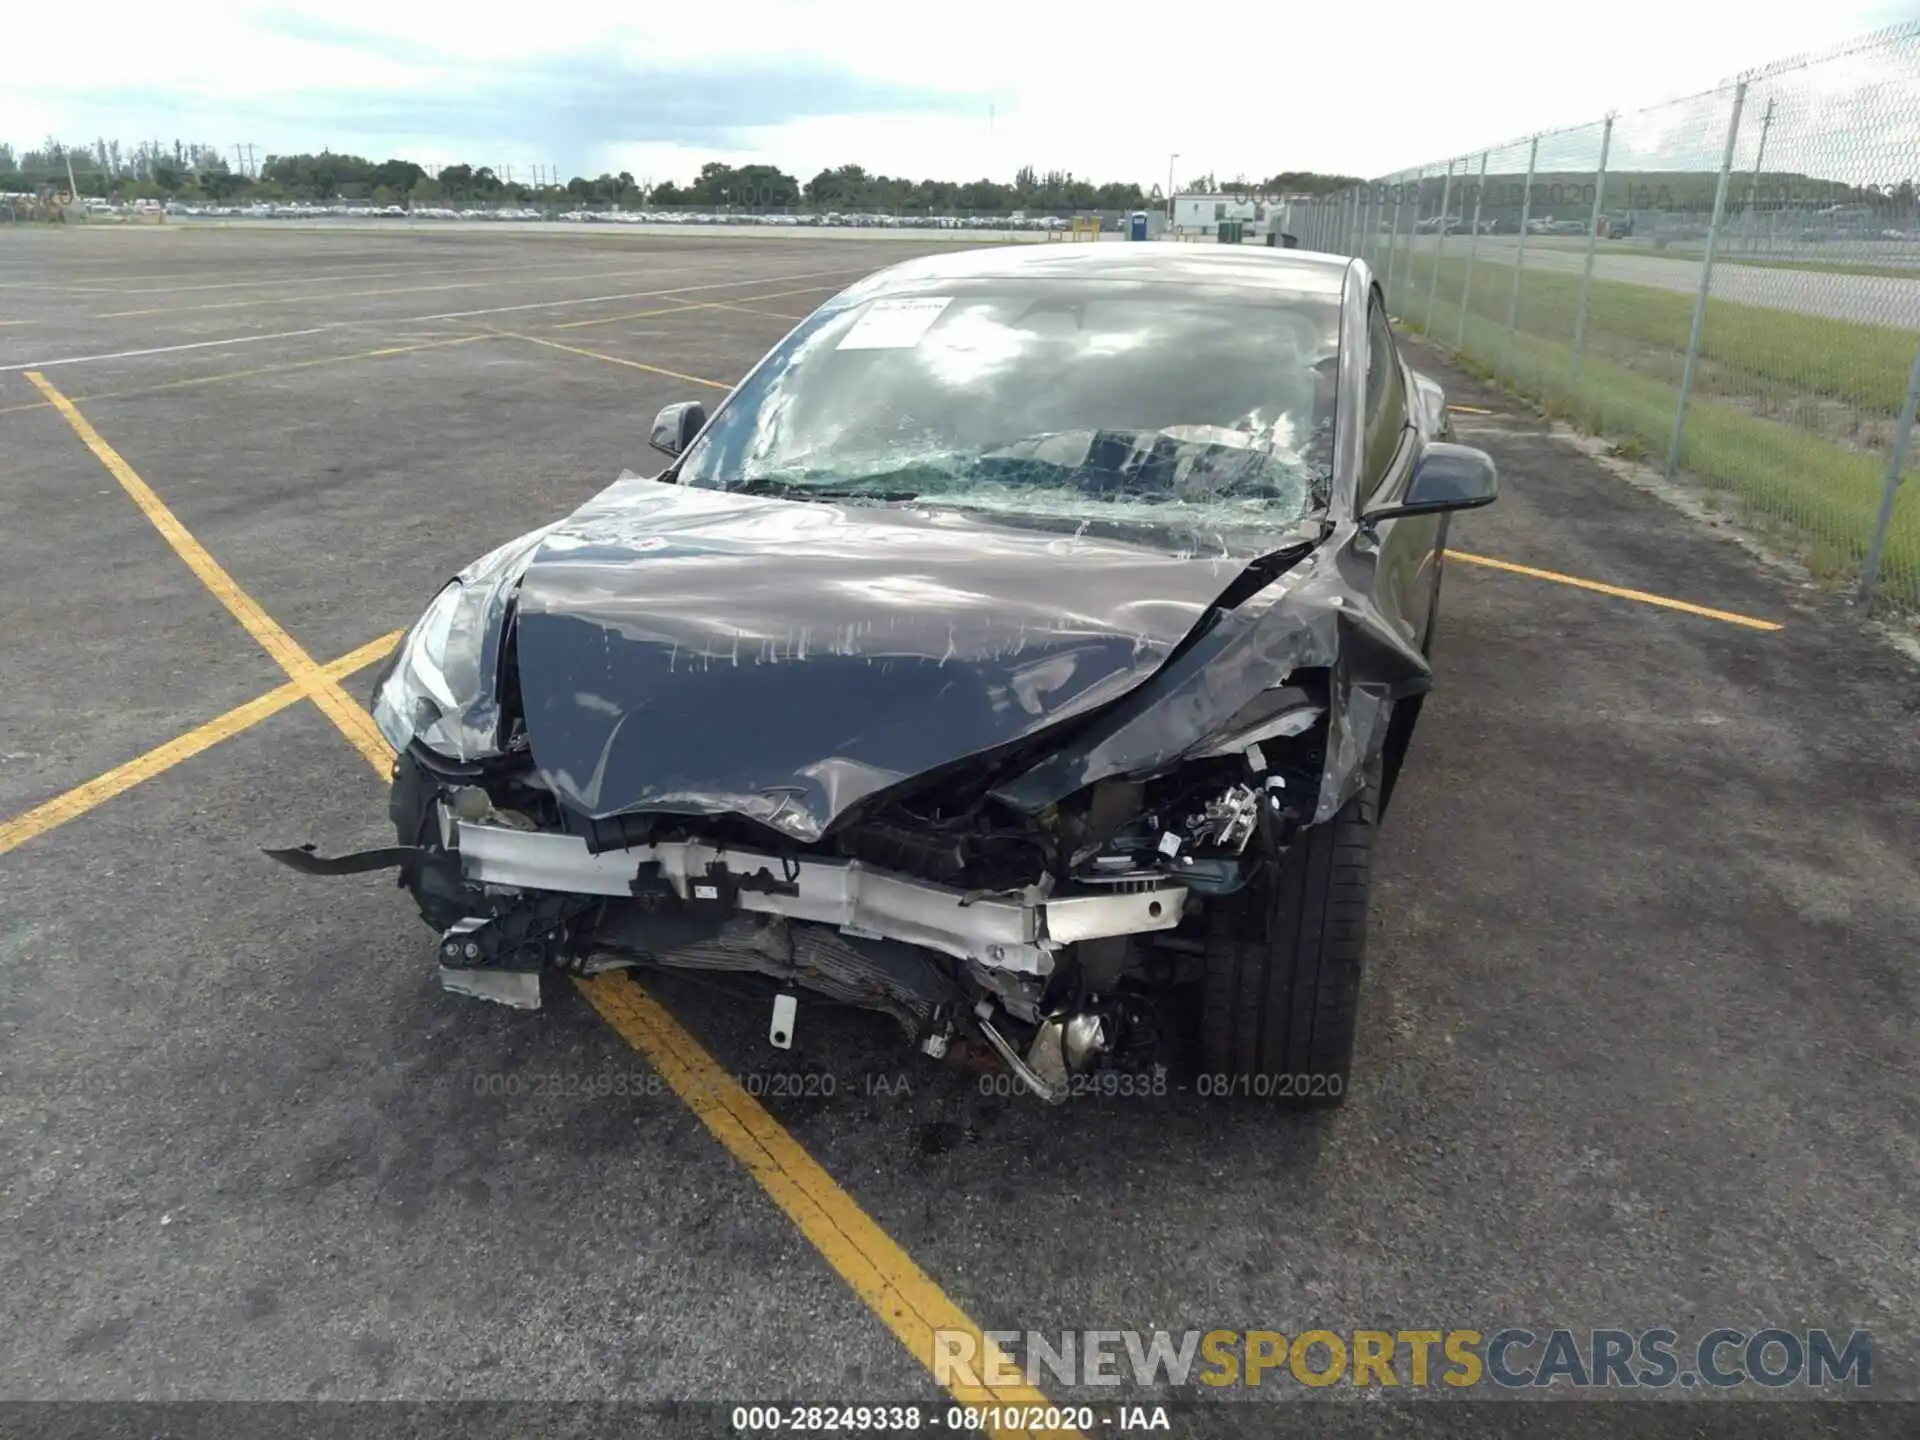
(796, 490)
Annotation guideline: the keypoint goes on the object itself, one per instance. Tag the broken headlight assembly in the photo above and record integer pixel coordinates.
(438, 690)
(444, 684)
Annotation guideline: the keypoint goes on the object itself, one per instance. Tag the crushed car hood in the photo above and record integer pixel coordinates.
(709, 652)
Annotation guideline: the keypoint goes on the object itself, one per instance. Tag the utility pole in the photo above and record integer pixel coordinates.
(1170, 159)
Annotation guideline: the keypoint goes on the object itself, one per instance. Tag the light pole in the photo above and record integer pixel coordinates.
(1170, 159)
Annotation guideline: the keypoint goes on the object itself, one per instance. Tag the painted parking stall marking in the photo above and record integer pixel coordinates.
(301, 667)
(1665, 602)
(122, 778)
(882, 1274)
(912, 1306)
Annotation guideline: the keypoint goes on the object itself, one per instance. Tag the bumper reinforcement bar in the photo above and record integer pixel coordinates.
(1017, 931)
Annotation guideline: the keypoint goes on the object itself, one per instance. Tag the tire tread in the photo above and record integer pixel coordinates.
(1282, 982)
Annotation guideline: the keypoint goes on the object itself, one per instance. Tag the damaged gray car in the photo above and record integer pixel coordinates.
(1026, 648)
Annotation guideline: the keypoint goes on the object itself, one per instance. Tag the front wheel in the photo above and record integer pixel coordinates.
(1282, 993)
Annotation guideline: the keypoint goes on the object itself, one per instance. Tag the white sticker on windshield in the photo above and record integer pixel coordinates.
(895, 324)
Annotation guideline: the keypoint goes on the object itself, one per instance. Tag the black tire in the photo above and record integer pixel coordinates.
(1281, 998)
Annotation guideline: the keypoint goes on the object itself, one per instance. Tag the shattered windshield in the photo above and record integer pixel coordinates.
(1174, 403)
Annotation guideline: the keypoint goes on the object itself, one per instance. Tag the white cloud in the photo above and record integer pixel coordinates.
(968, 91)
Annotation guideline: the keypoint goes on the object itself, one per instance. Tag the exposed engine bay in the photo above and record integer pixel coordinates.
(1045, 935)
(1021, 834)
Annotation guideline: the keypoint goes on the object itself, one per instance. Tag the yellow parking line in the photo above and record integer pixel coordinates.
(872, 1263)
(1469, 409)
(504, 280)
(749, 310)
(301, 668)
(882, 1274)
(274, 369)
(119, 283)
(1664, 601)
(697, 305)
(277, 281)
(617, 360)
(255, 302)
(122, 778)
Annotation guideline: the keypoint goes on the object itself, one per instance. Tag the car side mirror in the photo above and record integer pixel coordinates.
(1447, 477)
(676, 425)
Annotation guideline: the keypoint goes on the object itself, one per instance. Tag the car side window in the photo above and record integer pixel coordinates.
(1386, 404)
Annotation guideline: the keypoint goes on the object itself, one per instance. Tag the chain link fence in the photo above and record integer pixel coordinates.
(1727, 285)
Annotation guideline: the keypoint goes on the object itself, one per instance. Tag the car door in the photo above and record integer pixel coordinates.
(1407, 553)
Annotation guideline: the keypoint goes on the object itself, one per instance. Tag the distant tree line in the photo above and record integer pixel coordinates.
(150, 169)
(154, 170)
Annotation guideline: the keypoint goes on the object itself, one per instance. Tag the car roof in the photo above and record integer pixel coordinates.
(1269, 272)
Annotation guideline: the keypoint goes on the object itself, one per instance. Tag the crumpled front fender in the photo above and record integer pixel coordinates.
(1319, 615)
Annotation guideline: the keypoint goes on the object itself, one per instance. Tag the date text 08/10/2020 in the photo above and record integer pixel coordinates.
(953, 1419)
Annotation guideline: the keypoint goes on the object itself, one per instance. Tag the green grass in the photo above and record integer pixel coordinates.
(1822, 267)
(1863, 365)
(1731, 255)
(1803, 489)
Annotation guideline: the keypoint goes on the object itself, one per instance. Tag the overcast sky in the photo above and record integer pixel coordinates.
(1105, 91)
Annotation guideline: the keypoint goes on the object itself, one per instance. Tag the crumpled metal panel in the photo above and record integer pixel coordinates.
(712, 652)
(709, 651)
(1320, 614)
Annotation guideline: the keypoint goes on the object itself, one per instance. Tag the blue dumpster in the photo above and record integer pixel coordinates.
(1137, 225)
